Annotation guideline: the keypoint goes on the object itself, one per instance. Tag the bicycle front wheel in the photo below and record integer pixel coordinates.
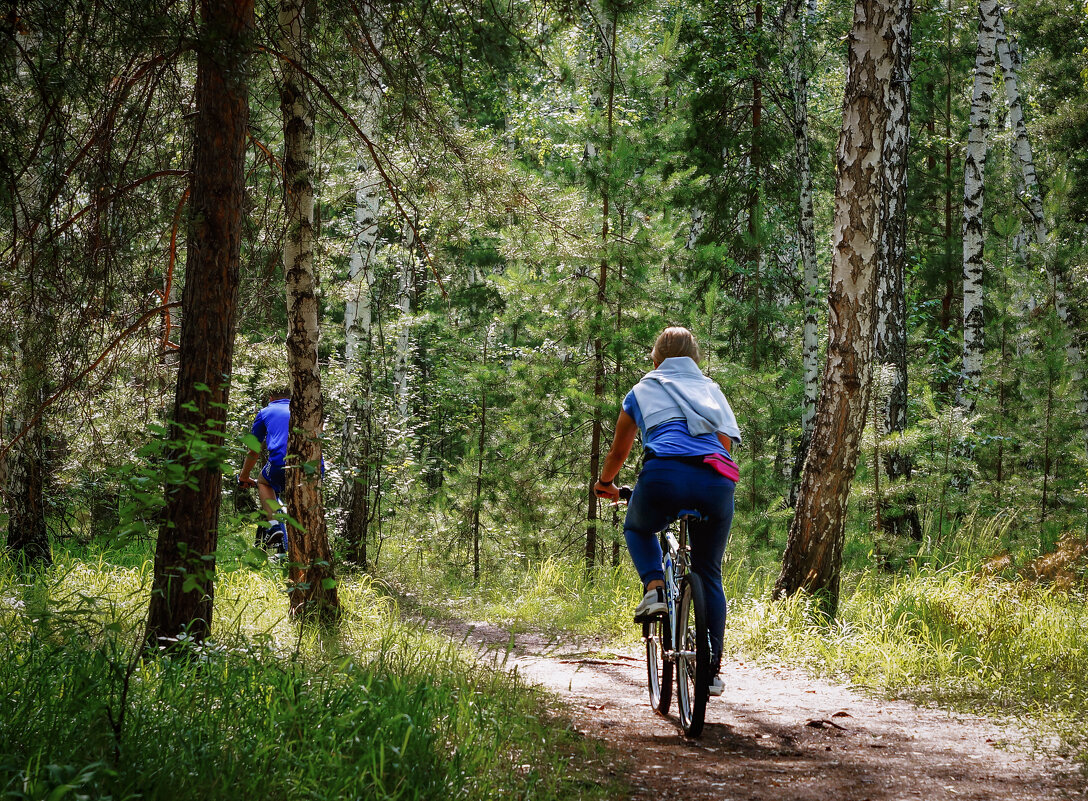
(658, 636)
(692, 656)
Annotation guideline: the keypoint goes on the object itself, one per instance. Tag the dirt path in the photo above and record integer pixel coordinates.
(778, 734)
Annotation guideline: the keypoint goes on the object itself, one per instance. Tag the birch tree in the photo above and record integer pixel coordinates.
(813, 557)
(891, 316)
(313, 585)
(182, 587)
(973, 191)
(359, 312)
(797, 26)
(1033, 198)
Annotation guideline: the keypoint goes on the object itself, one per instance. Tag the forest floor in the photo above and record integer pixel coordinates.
(776, 733)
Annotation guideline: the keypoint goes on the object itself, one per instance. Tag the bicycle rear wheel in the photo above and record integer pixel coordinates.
(692, 656)
(658, 636)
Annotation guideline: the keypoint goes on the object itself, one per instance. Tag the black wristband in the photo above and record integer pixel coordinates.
(604, 483)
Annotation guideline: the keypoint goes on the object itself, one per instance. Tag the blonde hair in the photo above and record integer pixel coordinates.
(675, 341)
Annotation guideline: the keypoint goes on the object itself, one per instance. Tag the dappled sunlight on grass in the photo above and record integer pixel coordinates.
(370, 707)
(951, 635)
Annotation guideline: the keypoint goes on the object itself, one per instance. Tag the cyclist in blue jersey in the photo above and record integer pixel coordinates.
(688, 432)
(271, 426)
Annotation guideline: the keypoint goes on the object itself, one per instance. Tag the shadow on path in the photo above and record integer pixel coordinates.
(776, 733)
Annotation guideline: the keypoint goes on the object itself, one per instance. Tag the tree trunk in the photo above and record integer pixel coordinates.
(755, 195)
(813, 557)
(313, 586)
(183, 584)
(973, 188)
(479, 474)
(24, 464)
(28, 536)
(806, 237)
(1032, 196)
(606, 27)
(358, 317)
(404, 332)
(891, 322)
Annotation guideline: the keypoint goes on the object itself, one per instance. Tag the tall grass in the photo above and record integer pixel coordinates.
(269, 709)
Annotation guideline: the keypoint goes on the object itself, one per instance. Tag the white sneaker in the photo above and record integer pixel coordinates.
(652, 605)
(717, 686)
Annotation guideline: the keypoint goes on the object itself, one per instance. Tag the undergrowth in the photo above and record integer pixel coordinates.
(268, 709)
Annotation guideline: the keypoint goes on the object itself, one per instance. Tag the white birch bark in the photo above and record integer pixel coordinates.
(806, 236)
(813, 557)
(1033, 198)
(358, 314)
(598, 69)
(309, 552)
(358, 311)
(695, 230)
(973, 189)
(891, 323)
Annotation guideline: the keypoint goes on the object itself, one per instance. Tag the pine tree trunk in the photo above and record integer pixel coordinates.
(24, 463)
(813, 557)
(806, 237)
(973, 189)
(313, 586)
(28, 536)
(605, 64)
(185, 554)
(404, 330)
(755, 164)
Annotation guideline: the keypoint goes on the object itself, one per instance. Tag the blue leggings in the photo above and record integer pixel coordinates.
(664, 488)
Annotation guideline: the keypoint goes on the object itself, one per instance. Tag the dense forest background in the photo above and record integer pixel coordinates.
(510, 200)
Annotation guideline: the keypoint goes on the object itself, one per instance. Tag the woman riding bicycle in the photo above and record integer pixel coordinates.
(688, 431)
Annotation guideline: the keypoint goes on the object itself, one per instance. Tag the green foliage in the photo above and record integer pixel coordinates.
(268, 710)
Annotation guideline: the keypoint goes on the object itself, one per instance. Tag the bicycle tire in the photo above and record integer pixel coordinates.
(692, 656)
(658, 636)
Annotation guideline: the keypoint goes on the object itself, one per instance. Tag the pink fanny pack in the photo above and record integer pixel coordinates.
(723, 465)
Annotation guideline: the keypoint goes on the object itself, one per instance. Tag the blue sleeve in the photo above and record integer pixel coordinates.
(630, 405)
(259, 430)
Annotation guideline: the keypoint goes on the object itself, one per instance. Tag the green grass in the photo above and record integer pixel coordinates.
(269, 710)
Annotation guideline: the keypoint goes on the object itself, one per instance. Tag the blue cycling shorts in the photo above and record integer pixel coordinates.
(273, 474)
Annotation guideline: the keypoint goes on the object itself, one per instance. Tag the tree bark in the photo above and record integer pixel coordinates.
(1033, 199)
(806, 237)
(24, 465)
(403, 358)
(358, 315)
(973, 192)
(891, 322)
(313, 584)
(755, 194)
(813, 557)
(606, 46)
(28, 536)
(183, 584)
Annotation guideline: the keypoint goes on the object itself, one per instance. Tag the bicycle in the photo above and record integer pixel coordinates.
(679, 642)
